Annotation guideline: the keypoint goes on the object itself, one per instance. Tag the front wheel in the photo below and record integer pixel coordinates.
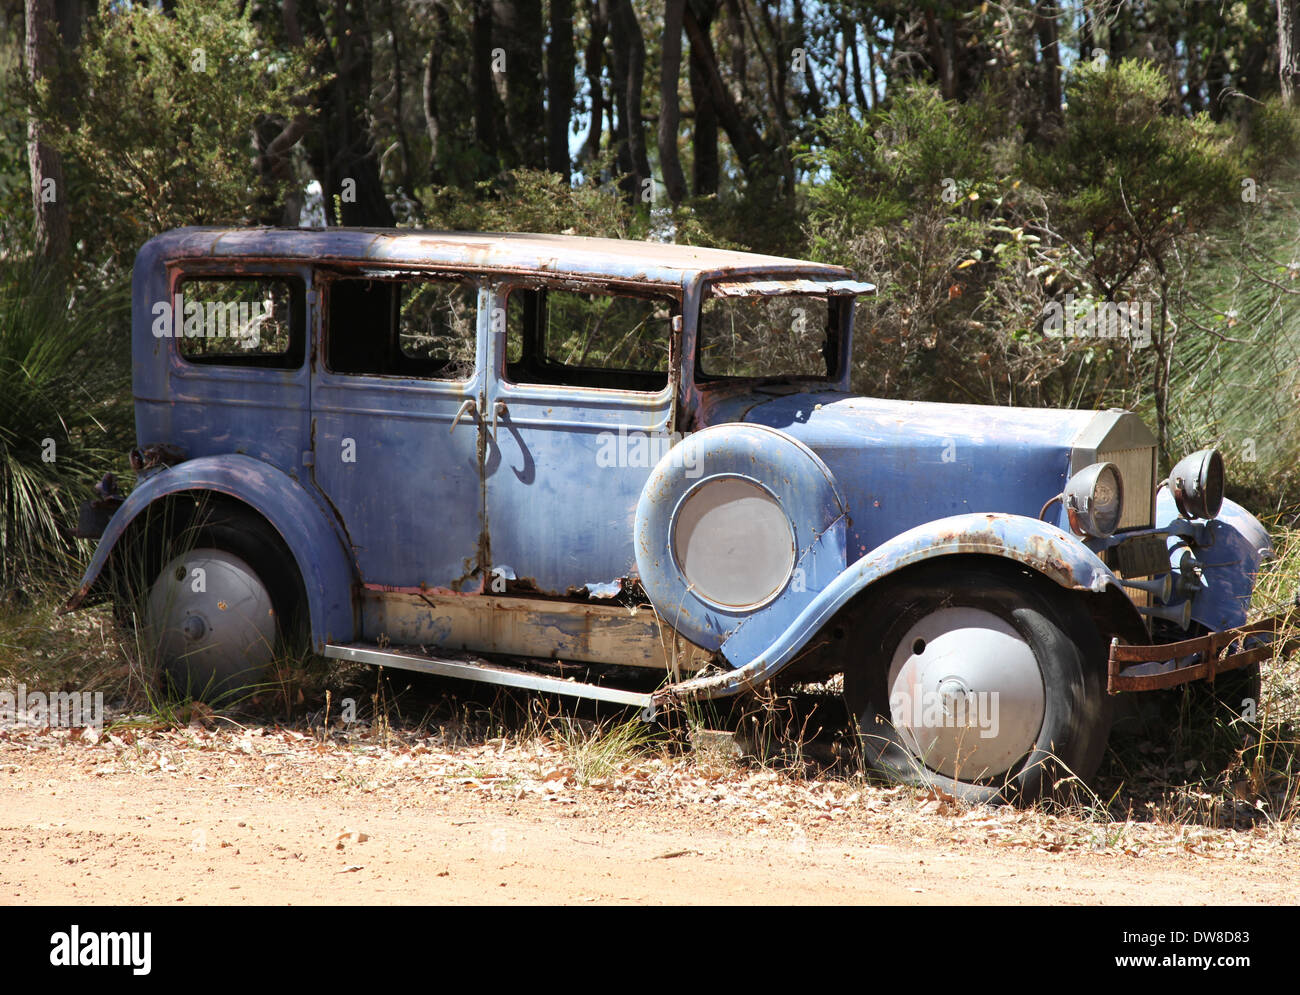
(982, 683)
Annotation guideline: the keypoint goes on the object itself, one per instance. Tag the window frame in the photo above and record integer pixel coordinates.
(839, 335)
(326, 276)
(668, 294)
(299, 351)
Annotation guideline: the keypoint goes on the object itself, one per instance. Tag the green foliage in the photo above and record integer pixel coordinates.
(15, 175)
(921, 198)
(57, 406)
(919, 152)
(533, 200)
(1273, 132)
(1127, 178)
(1237, 375)
(161, 130)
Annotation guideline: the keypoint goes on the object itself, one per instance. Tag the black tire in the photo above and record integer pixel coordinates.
(214, 526)
(1070, 657)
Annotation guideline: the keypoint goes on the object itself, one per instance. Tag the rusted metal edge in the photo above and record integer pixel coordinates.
(483, 672)
(1211, 654)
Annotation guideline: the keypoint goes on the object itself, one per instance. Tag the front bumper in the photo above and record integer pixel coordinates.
(1166, 665)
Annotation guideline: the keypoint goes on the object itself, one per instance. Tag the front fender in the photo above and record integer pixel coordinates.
(306, 526)
(1228, 555)
(763, 645)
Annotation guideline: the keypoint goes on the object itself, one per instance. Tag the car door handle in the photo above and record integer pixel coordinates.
(467, 408)
(498, 411)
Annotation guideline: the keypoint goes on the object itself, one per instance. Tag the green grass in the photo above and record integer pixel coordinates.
(601, 750)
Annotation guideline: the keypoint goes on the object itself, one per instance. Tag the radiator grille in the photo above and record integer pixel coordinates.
(1137, 470)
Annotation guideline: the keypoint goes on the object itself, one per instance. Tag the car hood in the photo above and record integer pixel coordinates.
(903, 463)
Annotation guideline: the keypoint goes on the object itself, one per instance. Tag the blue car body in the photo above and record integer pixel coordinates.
(476, 514)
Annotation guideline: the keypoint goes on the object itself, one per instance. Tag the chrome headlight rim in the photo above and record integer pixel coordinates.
(1090, 510)
(1197, 484)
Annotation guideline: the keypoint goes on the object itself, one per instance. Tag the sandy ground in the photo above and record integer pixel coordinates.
(273, 816)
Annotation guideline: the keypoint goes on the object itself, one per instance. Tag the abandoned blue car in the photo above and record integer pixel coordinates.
(557, 462)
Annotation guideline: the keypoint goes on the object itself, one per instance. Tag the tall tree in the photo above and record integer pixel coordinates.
(49, 195)
(669, 107)
(1046, 13)
(1288, 49)
(745, 140)
(517, 34)
(484, 90)
(559, 87)
(340, 147)
(704, 132)
(593, 65)
(627, 57)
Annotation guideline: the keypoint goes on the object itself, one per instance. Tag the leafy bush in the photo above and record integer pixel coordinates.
(921, 198)
(1127, 178)
(1273, 133)
(60, 409)
(161, 134)
(531, 200)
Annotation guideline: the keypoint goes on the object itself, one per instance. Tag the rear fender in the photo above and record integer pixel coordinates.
(309, 529)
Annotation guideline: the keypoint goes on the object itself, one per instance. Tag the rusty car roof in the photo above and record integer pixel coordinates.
(568, 255)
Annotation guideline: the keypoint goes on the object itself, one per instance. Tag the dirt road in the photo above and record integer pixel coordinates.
(275, 816)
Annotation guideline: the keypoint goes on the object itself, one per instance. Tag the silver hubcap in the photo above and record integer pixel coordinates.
(210, 618)
(966, 694)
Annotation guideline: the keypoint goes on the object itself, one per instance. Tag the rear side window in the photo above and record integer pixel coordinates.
(425, 328)
(237, 321)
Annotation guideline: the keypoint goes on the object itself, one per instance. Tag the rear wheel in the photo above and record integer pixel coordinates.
(981, 683)
(224, 600)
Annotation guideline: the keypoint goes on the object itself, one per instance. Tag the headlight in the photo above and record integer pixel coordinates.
(1196, 483)
(1094, 499)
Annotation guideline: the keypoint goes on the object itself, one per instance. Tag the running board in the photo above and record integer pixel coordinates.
(486, 673)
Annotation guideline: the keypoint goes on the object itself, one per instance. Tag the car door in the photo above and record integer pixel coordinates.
(580, 407)
(395, 424)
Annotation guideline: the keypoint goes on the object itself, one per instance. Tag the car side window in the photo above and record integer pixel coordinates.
(588, 339)
(238, 321)
(420, 327)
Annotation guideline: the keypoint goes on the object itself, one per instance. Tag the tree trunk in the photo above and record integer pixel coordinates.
(49, 195)
(629, 74)
(842, 64)
(517, 29)
(669, 108)
(399, 87)
(484, 90)
(704, 133)
(340, 147)
(745, 140)
(559, 85)
(1045, 15)
(433, 124)
(871, 72)
(856, 62)
(593, 68)
(939, 56)
(1288, 49)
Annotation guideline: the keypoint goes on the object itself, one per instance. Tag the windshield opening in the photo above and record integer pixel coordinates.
(771, 336)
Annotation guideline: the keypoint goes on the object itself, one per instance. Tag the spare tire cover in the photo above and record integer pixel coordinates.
(731, 524)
